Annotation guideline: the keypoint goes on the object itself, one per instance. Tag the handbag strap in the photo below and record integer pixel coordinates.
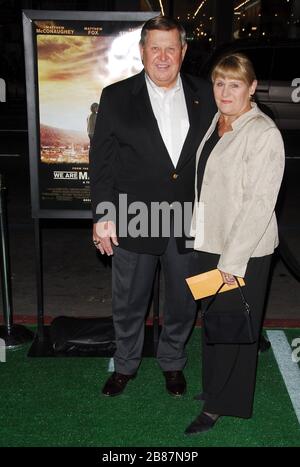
(245, 303)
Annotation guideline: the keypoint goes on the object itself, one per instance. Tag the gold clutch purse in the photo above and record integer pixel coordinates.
(207, 283)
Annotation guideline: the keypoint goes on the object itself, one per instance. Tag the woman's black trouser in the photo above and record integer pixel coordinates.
(229, 370)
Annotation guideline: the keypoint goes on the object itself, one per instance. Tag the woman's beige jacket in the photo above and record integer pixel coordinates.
(235, 216)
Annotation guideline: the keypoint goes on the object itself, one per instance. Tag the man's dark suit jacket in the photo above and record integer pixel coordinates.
(128, 155)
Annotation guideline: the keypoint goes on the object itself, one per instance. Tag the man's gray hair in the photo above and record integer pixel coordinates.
(162, 23)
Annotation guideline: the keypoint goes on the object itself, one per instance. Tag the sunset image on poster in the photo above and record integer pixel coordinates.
(72, 71)
(70, 57)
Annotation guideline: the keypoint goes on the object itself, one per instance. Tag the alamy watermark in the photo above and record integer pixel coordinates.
(296, 91)
(2, 351)
(2, 90)
(296, 351)
(154, 219)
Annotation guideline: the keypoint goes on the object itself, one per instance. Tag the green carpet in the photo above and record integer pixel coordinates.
(58, 402)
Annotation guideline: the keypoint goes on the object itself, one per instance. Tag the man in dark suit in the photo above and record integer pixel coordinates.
(143, 154)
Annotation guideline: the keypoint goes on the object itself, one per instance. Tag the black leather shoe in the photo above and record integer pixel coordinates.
(175, 383)
(116, 384)
(201, 424)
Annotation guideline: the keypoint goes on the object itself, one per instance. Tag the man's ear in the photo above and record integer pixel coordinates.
(184, 49)
(141, 51)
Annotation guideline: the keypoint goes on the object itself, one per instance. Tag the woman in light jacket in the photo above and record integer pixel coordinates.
(239, 169)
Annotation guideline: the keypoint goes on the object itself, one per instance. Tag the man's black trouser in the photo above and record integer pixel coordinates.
(132, 282)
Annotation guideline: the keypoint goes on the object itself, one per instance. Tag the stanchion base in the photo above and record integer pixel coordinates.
(17, 336)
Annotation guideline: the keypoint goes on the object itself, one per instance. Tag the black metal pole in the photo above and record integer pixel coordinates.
(14, 335)
(5, 266)
(41, 346)
(39, 279)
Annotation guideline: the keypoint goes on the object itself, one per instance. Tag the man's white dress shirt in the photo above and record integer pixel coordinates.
(169, 108)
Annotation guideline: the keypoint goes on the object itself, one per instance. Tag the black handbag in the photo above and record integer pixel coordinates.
(228, 327)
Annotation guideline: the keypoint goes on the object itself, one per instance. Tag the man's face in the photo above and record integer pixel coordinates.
(162, 56)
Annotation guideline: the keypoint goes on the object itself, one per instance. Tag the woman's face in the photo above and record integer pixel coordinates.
(232, 95)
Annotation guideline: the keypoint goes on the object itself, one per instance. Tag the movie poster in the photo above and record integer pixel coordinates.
(75, 61)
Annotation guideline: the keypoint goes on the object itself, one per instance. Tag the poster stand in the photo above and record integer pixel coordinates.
(50, 169)
(12, 335)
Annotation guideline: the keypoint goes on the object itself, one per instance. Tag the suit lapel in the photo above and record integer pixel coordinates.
(195, 103)
(195, 108)
(144, 109)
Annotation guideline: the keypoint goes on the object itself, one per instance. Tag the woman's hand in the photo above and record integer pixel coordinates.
(229, 279)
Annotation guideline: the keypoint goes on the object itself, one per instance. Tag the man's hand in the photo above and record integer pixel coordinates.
(229, 279)
(104, 234)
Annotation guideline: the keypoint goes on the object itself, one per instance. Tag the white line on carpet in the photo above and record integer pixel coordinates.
(289, 370)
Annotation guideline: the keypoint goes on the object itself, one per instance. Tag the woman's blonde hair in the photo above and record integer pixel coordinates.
(234, 66)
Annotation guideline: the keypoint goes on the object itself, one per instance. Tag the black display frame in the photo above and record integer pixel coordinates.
(42, 346)
(30, 51)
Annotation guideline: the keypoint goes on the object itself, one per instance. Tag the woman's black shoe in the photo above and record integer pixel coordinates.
(201, 424)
